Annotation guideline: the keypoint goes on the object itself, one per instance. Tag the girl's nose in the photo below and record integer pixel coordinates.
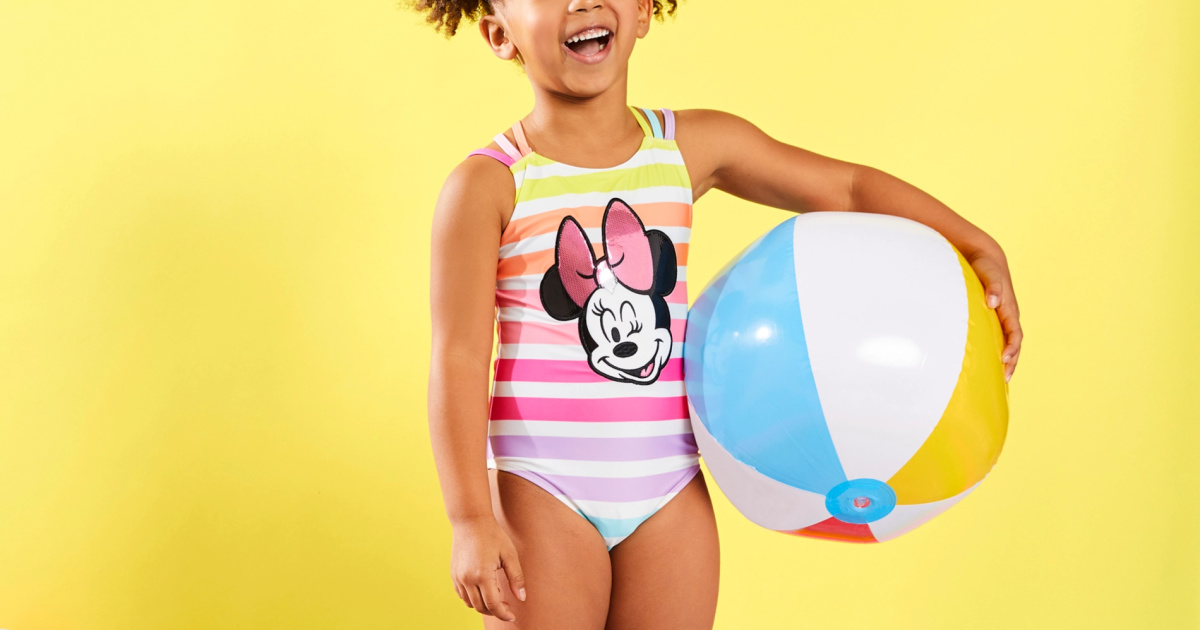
(584, 5)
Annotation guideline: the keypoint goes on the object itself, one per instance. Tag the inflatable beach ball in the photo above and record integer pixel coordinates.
(844, 379)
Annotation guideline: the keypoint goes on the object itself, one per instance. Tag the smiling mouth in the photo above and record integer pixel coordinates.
(591, 44)
(643, 371)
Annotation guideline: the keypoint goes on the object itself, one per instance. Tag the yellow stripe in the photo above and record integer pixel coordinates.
(649, 142)
(650, 175)
(967, 440)
(641, 121)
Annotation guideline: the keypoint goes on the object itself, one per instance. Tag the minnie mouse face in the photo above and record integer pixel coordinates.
(622, 330)
(620, 299)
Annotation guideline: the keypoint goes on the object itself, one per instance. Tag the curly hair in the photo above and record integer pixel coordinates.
(446, 15)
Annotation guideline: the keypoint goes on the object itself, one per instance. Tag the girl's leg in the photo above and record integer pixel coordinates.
(664, 575)
(565, 560)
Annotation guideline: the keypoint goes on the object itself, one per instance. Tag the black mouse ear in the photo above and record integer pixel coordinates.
(555, 299)
(662, 255)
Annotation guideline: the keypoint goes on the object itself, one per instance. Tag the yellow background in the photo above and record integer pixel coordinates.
(214, 323)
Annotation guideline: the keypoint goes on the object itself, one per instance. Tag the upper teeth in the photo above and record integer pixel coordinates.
(589, 34)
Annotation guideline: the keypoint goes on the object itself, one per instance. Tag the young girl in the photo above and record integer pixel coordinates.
(573, 490)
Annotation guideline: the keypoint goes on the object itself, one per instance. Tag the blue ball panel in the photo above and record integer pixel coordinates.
(754, 389)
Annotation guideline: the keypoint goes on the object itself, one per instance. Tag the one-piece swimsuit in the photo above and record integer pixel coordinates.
(588, 397)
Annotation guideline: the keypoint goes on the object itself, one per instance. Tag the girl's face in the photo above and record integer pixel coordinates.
(574, 47)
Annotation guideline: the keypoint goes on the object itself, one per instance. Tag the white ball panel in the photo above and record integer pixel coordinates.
(883, 303)
(905, 518)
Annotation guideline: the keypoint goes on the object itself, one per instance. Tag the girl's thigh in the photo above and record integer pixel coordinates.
(664, 575)
(564, 558)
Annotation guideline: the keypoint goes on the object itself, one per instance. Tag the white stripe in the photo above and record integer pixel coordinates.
(622, 509)
(557, 352)
(636, 196)
(534, 281)
(535, 315)
(588, 468)
(604, 389)
(643, 157)
(554, 428)
(542, 242)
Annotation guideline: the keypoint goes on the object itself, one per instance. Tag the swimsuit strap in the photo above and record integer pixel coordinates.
(506, 160)
(642, 120)
(507, 147)
(670, 118)
(519, 134)
(653, 122)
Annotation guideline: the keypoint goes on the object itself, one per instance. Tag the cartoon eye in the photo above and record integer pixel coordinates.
(607, 325)
(628, 312)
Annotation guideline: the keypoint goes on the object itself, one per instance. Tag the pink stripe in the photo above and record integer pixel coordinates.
(507, 161)
(670, 130)
(565, 333)
(531, 298)
(613, 449)
(534, 332)
(507, 147)
(611, 488)
(550, 371)
(589, 409)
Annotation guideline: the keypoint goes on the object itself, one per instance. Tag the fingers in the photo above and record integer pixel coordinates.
(1012, 366)
(462, 594)
(486, 597)
(1010, 322)
(1001, 297)
(493, 599)
(476, 599)
(512, 569)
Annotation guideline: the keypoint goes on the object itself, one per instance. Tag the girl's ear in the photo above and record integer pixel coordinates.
(495, 33)
(645, 13)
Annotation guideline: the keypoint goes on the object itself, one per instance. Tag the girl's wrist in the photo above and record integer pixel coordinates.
(984, 246)
(467, 521)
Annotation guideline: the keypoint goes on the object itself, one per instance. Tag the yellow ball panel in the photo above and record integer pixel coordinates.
(967, 440)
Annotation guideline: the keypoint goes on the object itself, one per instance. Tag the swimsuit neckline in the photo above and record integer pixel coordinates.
(626, 163)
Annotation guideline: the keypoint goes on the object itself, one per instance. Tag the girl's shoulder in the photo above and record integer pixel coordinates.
(481, 186)
(706, 123)
(704, 137)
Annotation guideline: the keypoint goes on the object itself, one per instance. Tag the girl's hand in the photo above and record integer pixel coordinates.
(480, 549)
(992, 268)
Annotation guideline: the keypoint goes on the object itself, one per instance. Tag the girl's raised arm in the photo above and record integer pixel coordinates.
(731, 154)
(462, 292)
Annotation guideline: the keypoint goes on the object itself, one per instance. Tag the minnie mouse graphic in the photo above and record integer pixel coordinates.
(620, 299)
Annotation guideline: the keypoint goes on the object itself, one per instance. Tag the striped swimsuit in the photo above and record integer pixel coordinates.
(588, 397)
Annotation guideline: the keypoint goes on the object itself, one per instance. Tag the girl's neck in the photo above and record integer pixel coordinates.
(564, 125)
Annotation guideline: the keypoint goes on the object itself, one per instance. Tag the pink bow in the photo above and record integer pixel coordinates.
(626, 254)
